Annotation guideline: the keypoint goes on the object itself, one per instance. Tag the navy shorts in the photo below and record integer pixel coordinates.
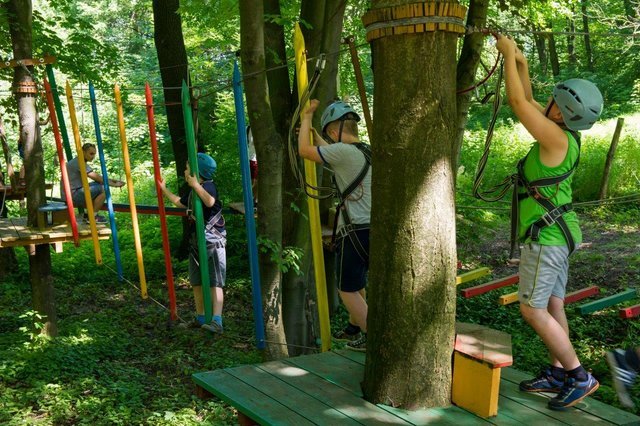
(78, 195)
(351, 265)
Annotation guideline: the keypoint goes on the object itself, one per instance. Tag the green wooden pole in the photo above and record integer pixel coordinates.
(58, 106)
(197, 203)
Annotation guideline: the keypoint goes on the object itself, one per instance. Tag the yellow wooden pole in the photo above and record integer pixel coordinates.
(83, 175)
(132, 198)
(314, 209)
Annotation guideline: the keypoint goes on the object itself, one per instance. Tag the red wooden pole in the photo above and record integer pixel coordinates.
(63, 164)
(163, 216)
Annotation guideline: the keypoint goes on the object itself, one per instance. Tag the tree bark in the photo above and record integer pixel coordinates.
(269, 149)
(413, 247)
(542, 52)
(571, 43)
(587, 39)
(609, 162)
(20, 27)
(174, 67)
(466, 70)
(553, 55)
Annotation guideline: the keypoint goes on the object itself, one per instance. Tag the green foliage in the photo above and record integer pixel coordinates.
(287, 258)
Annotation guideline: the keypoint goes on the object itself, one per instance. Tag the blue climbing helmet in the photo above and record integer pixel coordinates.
(580, 103)
(338, 110)
(206, 166)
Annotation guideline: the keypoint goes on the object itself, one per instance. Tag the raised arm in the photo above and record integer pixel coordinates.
(305, 147)
(523, 72)
(549, 134)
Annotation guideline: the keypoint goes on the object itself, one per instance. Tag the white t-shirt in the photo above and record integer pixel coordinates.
(347, 162)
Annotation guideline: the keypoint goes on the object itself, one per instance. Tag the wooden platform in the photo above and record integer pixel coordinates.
(20, 192)
(324, 389)
(14, 232)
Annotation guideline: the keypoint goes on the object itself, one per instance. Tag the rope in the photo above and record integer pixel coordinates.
(328, 192)
(150, 297)
(498, 191)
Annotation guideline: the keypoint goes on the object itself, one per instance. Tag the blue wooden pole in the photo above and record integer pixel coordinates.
(105, 181)
(248, 208)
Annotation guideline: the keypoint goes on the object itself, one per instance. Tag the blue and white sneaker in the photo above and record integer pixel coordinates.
(544, 382)
(213, 327)
(573, 392)
(623, 376)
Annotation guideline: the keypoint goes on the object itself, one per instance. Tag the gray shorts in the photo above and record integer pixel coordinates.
(543, 273)
(77, 196)
(216, 253)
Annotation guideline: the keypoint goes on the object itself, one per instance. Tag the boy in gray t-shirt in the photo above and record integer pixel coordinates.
(97, 190)
(350, 161)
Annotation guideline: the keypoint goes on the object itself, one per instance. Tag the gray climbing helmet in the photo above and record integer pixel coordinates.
(338, 110)
(580, 103)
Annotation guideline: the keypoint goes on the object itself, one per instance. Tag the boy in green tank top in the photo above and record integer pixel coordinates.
(548, 226)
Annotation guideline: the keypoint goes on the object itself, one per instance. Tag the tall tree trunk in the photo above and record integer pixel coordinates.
(631, 8)
(571, 43)
(587, 39)
(172, 59)
(295, 295)
(269, 149)
(466, 70)
(553, 55)
(542, 52)
(413, 243)
(20, 26)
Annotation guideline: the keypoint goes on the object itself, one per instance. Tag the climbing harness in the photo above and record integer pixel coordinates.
(523, 188)
(349, 228)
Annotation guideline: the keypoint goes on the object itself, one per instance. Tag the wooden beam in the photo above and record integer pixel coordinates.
(491, 285)
(509, 298)
(28, 62)
(629, 312)
(577, 295)
(472, 275)
(599, 304)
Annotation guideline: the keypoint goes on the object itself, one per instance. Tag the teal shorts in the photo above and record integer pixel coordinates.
(543, 273)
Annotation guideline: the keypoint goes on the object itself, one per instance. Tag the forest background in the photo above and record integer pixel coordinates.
(116, 359)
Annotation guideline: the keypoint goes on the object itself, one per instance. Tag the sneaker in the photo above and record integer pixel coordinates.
(100, 219)
(343, 336)
(544, 382)
(213, 327)
(573, 392)
(623, 376)
(359, 345)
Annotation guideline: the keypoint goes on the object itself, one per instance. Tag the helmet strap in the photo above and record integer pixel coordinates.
(548, 109)
(340, 131)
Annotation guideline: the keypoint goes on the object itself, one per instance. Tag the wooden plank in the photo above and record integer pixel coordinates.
(250, 401)
(629, 312)
(355, 356)
(451, 415)
(509, 298)
(491, 285)
(538, 402)
(515, 413)
(472, 275)
(342, 400)
(605, 302)
(589, 405)
(583, 293)
(333, 368)
(316, 411)
(14, 232)
(47, 59)
(484, 344)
